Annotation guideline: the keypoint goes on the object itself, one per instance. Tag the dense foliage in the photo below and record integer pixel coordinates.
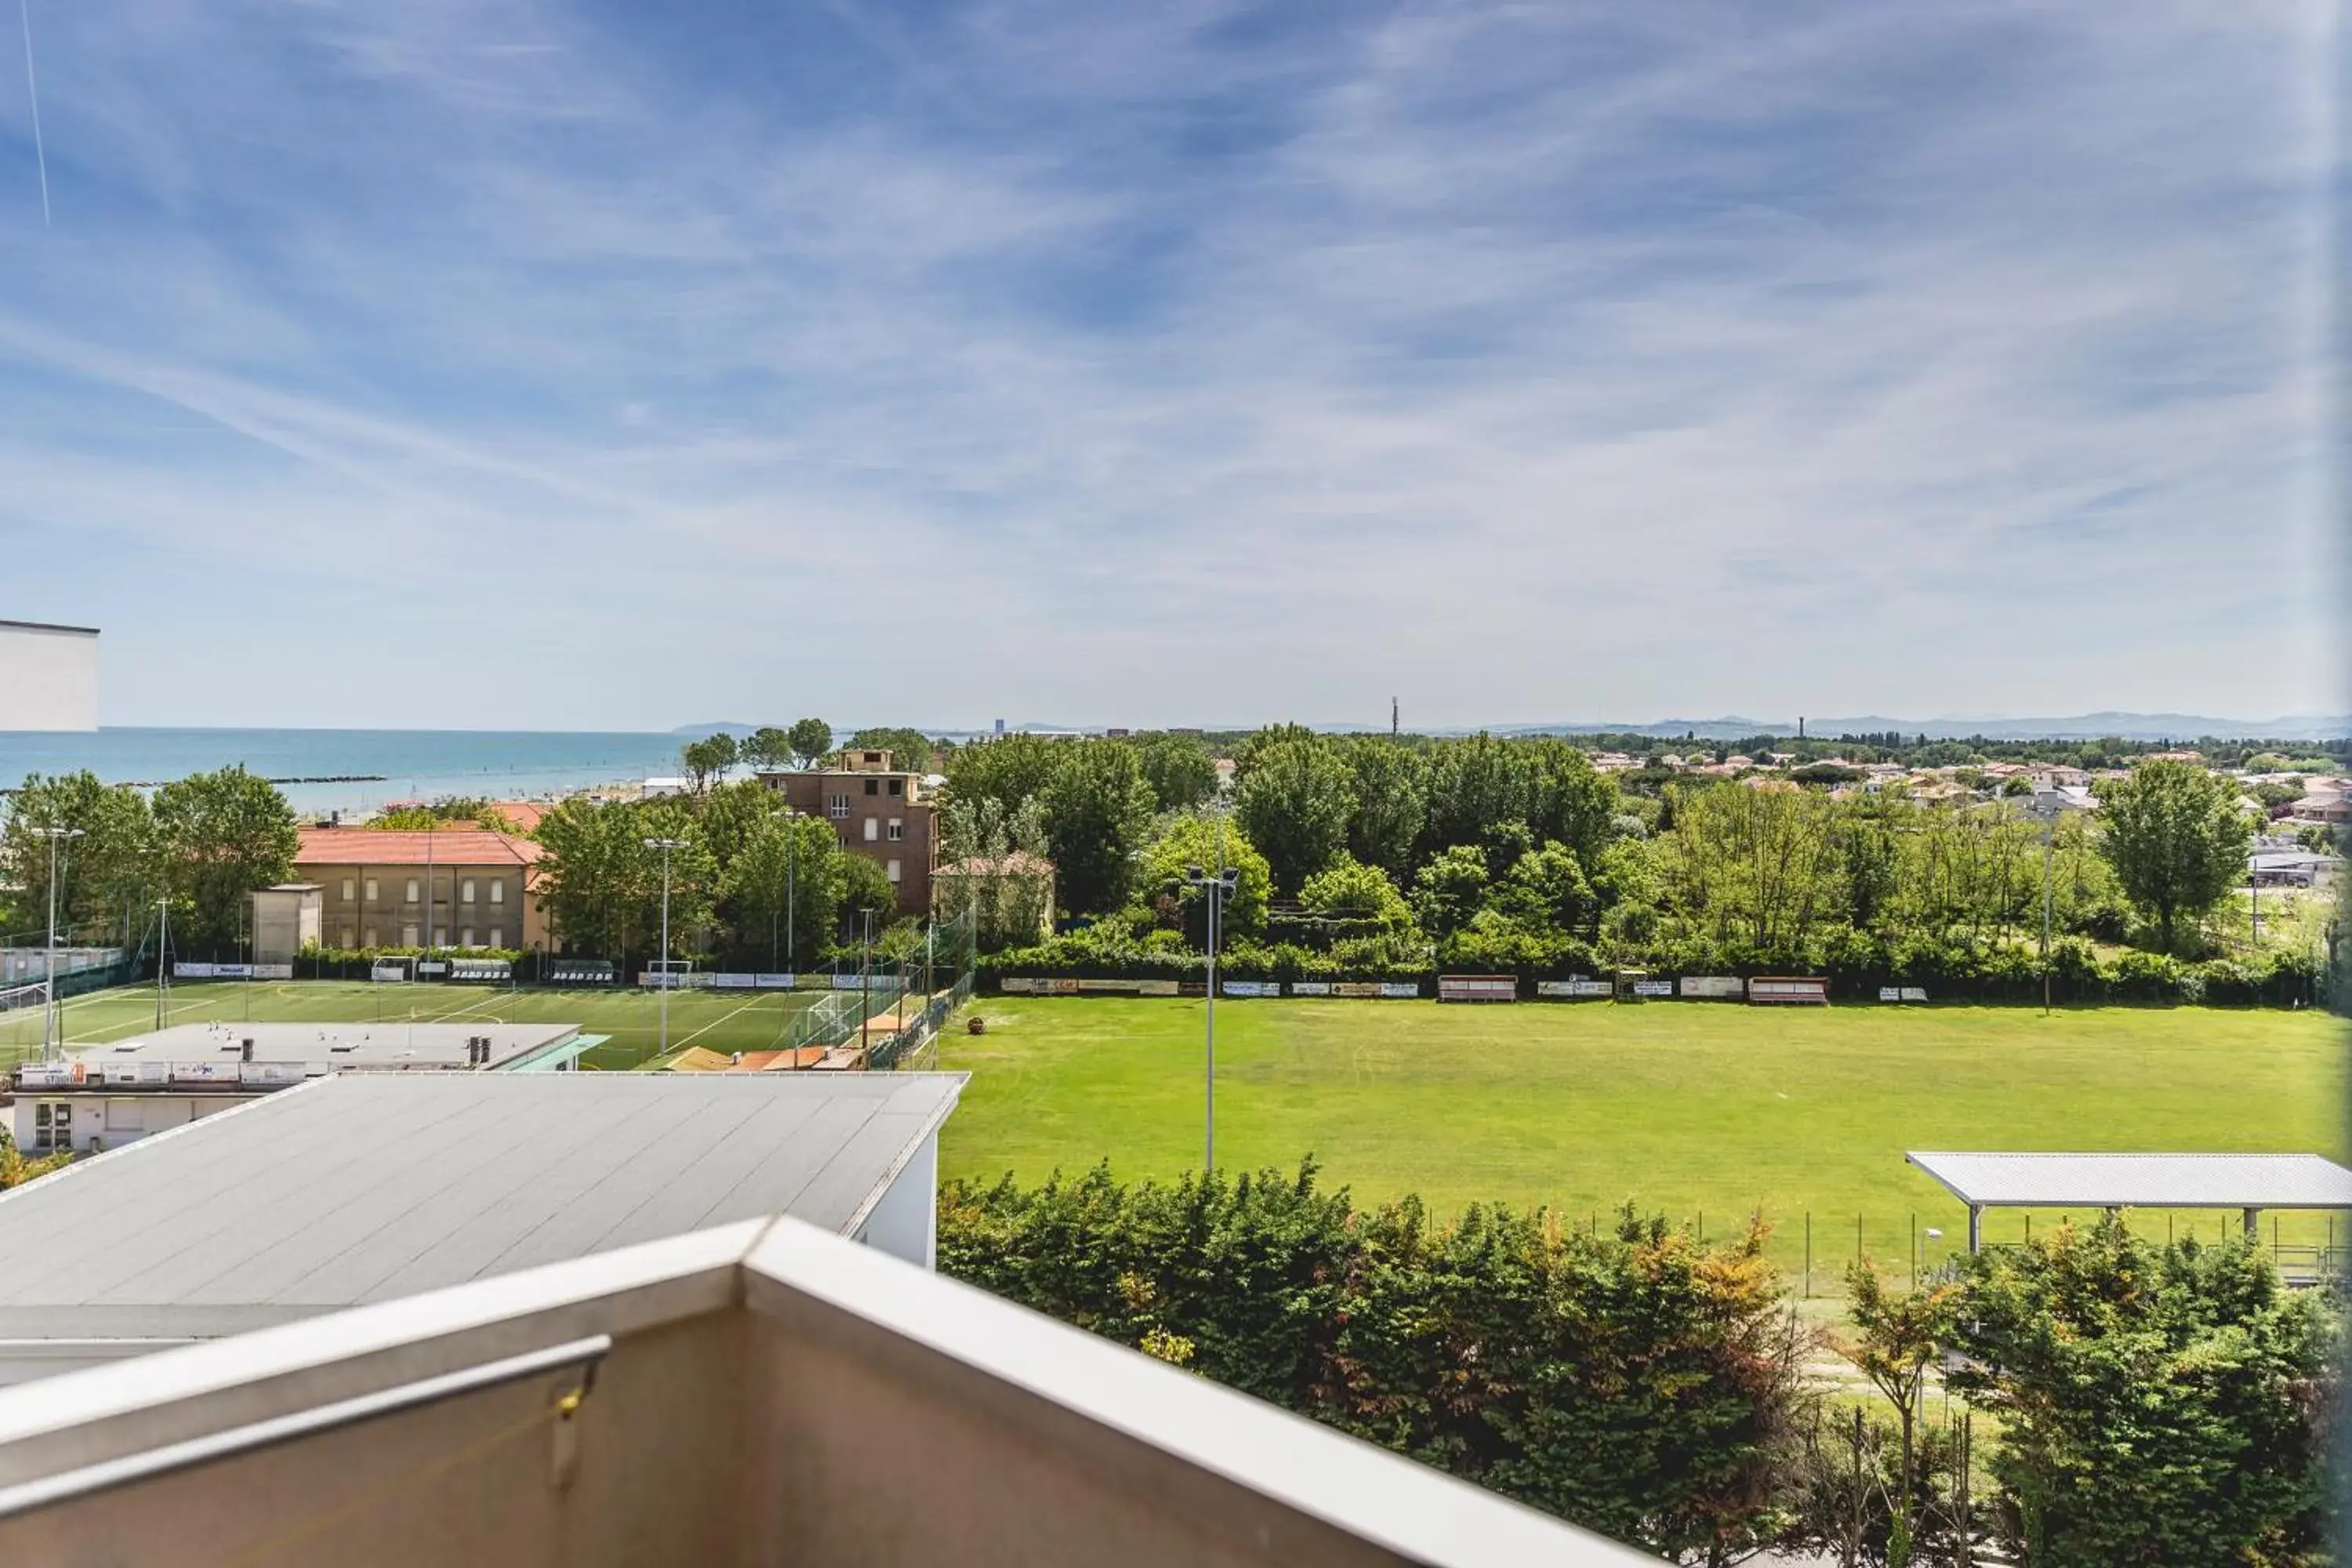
(1629, 1380)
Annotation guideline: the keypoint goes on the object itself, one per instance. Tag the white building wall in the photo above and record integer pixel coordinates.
(905, 1223)
(49, 677)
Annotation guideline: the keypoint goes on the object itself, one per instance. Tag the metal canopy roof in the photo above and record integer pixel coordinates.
(365, 1186)
(2140, 1181)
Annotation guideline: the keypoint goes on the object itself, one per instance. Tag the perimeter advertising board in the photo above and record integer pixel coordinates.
(1478, 988)
(1712, 987)
(1576, 990)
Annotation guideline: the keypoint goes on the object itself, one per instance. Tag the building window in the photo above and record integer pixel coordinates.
(348, 935)
(892, 867)
(873, 787)
(441, 936)
(898, 787)
(466, 937)
(412, 890)
(348, 886)
(466, 891)
(372, 894)
(371, 936)
(408, 936)
(497, 936)
(897, 830)
(498, 896)
(836, 806)
(873, 830)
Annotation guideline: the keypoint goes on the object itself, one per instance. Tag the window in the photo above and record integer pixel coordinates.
(873, 830)
(892, 867)
(898, 787)
(897, 830)
(440, 936)
(372, 894)
(408, 936)
(498, 933)
(412, 890)
(873, 787)
(466, 891)
(371, 937)
(498, 895)
(348, 935)
(466, 937)
(836, 806)
(348, 886)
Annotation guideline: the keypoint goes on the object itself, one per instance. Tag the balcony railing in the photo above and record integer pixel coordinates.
(763, 1394)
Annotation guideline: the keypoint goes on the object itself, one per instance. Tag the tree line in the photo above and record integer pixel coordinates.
(1366, 853)
(2147, 1404)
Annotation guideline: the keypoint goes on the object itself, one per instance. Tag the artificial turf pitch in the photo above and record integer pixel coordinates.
(1703, 1112)
(721, 1020)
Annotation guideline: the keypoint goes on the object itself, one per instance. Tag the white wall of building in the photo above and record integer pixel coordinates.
(97, 1122)
(49, 677)
(905, 1223)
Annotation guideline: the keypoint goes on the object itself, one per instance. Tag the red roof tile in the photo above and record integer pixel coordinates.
(376, 847)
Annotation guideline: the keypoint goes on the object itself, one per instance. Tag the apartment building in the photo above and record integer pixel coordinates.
(454, 888)
(878, 810)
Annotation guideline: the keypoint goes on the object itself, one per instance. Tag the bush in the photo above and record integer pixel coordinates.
(1628, 1380)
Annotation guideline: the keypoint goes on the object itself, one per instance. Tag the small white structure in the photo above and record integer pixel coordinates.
(48, 676)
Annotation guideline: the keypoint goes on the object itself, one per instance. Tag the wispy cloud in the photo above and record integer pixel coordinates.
(1175, 361)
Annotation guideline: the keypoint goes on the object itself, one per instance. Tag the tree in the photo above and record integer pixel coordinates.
(1098, 810)
(1450, 890)
(995, 867)
(1199, 840)
(909, 749)
(1181, 773)
(1007, 770)
(2158, 1405)
(731, 813)
(1546, 888)
(1896, 1336)
(1293, 803)
(1474, 787)
(1350, 889)
(104, 878)
(601, 884)
(810, 739)
(221, 836)
(2176, 839)
(769, 748)
(1568, 802)
(866, 889)
(1385, 816)
(782, 889)
(708, 759)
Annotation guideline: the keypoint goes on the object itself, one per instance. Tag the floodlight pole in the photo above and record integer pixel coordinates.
(2049, 842)
(1217, 886)
(162, 960)
(662, 971)
(51, 1021)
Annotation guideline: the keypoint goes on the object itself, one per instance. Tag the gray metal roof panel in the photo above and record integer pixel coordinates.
(2056, 1179)
(362, 1187)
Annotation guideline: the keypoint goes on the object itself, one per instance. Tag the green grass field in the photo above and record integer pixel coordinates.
(723, 1020)
(1702, 1111)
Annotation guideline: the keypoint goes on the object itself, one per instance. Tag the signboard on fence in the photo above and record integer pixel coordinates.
(1902, 993)
(380, 971)
(1577, 990)
(1784, 989)
(1712, 987)
(579, 972)
(1654, 988)
(205, 1072)
(1310, 988)
(1253, 987)
(773, 982)
(723, 981)
(493, 968)
(437, 967)
(1478, 988)
(185, 971)
(141, 1075)
(1017, 985)
(51, 1074)
(271, 1074)
(673, 979)
(1156, 988)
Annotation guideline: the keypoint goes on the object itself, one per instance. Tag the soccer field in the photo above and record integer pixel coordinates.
(721, 1020)
(1702, 1111)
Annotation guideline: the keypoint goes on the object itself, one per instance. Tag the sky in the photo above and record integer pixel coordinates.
(543, 364)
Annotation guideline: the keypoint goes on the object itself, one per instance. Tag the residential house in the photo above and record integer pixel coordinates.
(878, 811)
(436, 888)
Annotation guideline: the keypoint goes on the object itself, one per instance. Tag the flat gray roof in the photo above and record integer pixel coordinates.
(326, 1047)
(48, 626)
(368, 1186)
(2140, 1181)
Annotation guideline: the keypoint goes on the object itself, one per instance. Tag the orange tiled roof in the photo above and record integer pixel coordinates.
(377, 847)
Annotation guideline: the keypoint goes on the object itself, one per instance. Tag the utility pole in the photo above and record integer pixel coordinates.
(1392, 717)
(2049, 842)
(1217, 886)
(164, 962)
(864, 981)
(52, 1019)
(791, 863)
(661, 971)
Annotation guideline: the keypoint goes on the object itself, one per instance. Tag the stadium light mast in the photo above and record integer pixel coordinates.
(163, 962)
(1219, 886)
(51, 1020)
(664, 845)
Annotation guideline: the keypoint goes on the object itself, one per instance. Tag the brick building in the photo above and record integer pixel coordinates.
(877, 811)
(376, 887)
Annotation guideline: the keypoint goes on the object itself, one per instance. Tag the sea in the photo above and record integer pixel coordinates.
(323, 771)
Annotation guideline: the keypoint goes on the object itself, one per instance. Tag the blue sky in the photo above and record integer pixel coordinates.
(538, 363)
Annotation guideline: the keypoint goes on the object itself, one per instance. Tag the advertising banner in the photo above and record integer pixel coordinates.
(1155, 988)
(1017, 985)
(191, 970)
(205, 1072)
(1107, 987)
(1400, 990)
(1478, 988)
(722, 981)
(1252, 987)
(1712, 987)
(1310, 988)
(1654, 988)
(269, 1074)
(772, 981)
(434, 967)
(1578, 989)
(388, 971)
(1784, 989)
(137, 1074)
(51, 1075)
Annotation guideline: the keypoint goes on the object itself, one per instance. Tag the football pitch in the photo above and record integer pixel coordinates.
(1703, 1112)
(721, 1020)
